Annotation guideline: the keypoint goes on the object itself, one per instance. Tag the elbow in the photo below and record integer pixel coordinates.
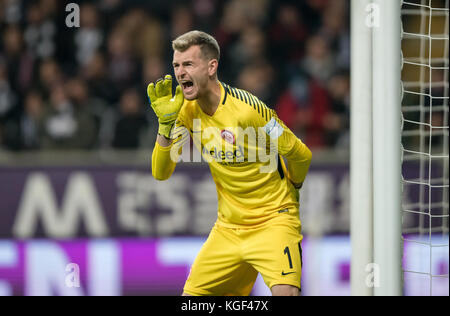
(308, 155)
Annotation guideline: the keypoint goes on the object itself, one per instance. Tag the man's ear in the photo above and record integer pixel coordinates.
(213, 64)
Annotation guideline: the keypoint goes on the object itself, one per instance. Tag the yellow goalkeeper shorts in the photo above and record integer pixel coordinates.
(230, 259)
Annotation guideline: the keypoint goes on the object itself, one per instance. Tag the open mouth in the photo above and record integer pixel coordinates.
(187, 86)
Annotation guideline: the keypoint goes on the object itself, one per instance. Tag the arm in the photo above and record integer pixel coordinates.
(162, 164)
(299, 159)
(166, 109)
(296, 152)
(166, 152)
(288, 145)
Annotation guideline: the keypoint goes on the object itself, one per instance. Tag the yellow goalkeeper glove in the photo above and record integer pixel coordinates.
(165, 105)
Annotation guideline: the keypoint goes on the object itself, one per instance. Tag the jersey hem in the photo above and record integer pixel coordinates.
(277, 216)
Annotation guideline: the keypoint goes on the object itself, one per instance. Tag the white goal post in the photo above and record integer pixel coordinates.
(375, 166)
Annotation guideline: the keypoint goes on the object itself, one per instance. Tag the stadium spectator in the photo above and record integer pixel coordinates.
(90, 108)
(287, 35)
(205, 13)
(95, 74)
(303, 106)
(143, 32)
(312, 11)
(8, 98)
(285, 52)
(231, 23)
(30, 128)
(153, 69)
(89, 37)
(259, 79)
(182, 21)
(318, 62)
(336, 121)
(334, 29)
(250, 48)
(132, 123)
(65, 125)
(40, 31)
(25, 131)
(17, 59)
(50, 75)
(122, 67)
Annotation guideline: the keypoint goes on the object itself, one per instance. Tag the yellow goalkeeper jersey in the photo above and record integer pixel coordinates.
(243, 142)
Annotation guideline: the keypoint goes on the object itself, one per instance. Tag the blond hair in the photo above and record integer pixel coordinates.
(208, 44)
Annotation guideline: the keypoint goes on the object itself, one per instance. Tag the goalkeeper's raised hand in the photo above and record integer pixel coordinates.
(165, 105)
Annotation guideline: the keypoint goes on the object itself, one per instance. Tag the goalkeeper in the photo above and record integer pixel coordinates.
(258, 229)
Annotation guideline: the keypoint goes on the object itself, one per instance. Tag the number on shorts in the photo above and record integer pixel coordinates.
(286, 252)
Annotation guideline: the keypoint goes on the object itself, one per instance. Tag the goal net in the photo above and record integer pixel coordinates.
(425, 129)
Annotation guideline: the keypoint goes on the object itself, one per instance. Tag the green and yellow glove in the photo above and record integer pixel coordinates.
(165, 105)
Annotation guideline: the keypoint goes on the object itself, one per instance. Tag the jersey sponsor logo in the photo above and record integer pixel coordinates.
(225, 155)
(228, 136)
(273, 129)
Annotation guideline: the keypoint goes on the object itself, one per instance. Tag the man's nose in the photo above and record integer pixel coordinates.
(181, 72)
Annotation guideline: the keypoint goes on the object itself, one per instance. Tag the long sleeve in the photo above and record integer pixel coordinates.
(288, 145)
(164, 159)
(162, 164)
(299, 159)
(296, 152)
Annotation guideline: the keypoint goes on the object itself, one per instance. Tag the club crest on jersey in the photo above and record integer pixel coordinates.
(228, 136)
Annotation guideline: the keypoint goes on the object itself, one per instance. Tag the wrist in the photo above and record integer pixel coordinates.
(165, 137)
(165, 130)
(163, 142)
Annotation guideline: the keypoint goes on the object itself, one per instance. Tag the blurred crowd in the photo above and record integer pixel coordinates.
(85, 87)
